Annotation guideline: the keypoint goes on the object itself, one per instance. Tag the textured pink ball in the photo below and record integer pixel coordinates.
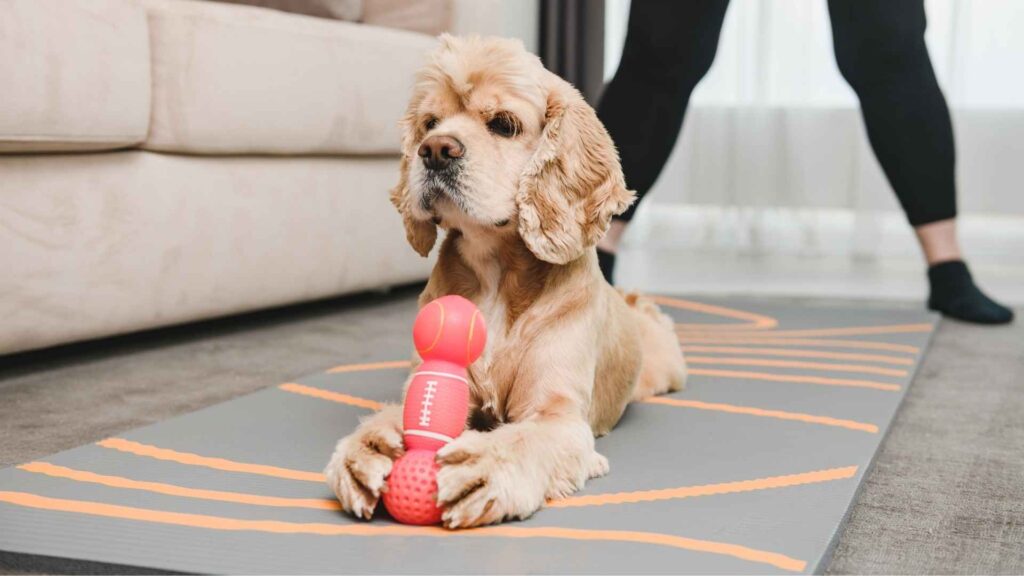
(411, 497)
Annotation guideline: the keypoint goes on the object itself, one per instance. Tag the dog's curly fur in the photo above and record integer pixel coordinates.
(522, 210)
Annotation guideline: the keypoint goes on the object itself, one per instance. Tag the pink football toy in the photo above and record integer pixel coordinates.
(449, 334)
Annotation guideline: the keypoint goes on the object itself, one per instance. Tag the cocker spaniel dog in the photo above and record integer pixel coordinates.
(510, 161)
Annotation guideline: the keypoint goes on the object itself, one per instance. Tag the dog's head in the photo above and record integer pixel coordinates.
(494, 141)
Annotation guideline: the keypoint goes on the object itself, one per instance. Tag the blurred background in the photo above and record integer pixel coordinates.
(772, 187)
(167, 161)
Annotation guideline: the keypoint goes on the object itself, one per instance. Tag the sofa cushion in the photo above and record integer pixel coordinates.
(73, 75)
(425, 16)
(349, 10)
(99, 244)
(233, 79)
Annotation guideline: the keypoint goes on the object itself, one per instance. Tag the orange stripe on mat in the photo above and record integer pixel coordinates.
(843, 331)
(708, 489)
(748, 339)
(362, 529)
(371, 366)
(332, 396)
(801, 354)
(795, 379)
(794, 364)
(751, 411)
(685, 404)
(754, 321)
(173, 490)
(149, 451)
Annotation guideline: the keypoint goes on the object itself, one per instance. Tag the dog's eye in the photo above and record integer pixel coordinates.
(503, 124)
(430, 123)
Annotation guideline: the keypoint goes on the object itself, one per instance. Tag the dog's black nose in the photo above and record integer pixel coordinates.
(438, 152)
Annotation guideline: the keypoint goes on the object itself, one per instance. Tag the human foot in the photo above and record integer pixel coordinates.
(954, 293)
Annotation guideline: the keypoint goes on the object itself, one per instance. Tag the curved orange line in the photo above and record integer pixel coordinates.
(361, 529)
(332, 396)
(440, 329)
(768, 483)
(173, 490)
(370, 366)
(801, 354)
(795, 379)
(841, 331)
(150, 451)
(751, 411)
(855, 344)
(469, 341)
(753, 321)
(773, 482)
(828, 366)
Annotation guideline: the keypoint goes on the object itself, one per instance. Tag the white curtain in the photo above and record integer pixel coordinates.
(774, 156)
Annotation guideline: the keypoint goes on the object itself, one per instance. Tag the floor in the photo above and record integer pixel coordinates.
(721, 272)
(821, 254)
(946, 494)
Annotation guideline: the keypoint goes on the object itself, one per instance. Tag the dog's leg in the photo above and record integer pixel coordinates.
(362, 460)
(663, 368)
(509, 472)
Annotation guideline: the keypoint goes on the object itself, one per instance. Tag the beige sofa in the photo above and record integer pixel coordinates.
(163, 161)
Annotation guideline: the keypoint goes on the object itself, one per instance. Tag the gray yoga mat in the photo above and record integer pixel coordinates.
(751, 469)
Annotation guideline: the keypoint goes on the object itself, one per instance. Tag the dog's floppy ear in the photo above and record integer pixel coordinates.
(573, 185)
(421, 234)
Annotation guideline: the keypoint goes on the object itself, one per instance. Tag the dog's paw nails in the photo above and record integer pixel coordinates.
(455, 483)
(477, 493)
(478, 509)
(599, 466)
(357, 475)
(385, 440)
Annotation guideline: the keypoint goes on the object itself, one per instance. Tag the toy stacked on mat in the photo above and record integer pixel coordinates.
(449, 334)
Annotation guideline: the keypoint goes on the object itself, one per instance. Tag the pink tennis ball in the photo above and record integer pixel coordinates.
(451, 329)
(411, 497)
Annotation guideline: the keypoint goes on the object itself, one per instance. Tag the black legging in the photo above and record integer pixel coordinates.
(880, 49)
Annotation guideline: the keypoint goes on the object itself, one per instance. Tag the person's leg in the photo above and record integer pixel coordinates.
(669, 47)
(953, 291)
(938, 241)
(881, 52)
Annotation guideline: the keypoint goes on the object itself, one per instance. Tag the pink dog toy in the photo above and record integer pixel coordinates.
(449, 334)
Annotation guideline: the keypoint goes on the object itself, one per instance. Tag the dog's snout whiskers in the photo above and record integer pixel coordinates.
(428, 197)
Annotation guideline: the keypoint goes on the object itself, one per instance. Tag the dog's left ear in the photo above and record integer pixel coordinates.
(421, 234)
(573, 185)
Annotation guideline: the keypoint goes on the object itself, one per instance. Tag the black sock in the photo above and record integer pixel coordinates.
(954, 293)
(606, 262)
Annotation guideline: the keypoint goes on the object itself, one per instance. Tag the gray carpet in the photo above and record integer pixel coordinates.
(946, 494)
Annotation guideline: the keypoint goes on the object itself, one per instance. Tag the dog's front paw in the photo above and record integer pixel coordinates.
(359, 466)
(598, 466)
(479, 484)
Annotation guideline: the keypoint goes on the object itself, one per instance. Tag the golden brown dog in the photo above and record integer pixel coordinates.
(511, 162)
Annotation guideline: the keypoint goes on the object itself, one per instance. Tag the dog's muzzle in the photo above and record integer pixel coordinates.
(440, 153)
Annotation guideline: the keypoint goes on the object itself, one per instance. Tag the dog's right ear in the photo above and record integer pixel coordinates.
(421, 234)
